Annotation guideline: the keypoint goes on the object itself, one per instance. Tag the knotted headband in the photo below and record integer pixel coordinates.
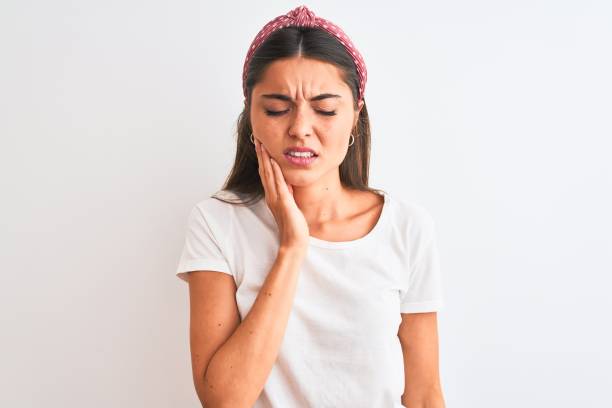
(303, 17)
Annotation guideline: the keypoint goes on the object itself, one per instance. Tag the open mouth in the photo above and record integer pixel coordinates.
(301, 160)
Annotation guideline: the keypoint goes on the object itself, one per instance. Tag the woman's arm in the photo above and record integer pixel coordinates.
(233, 360)
(418, 334)
(238, 370)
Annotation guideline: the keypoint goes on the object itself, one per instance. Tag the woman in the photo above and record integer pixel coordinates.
(308, 288)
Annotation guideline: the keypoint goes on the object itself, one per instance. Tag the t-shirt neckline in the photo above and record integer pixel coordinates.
(380, 224)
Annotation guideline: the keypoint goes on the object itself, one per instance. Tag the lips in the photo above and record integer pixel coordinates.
(300, 161)
(300, 149)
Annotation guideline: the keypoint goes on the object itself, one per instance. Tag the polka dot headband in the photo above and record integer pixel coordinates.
(303, 17)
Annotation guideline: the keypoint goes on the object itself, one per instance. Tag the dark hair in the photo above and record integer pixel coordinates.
(287, 42)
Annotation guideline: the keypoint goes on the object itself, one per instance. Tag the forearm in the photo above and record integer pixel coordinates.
(238, 370)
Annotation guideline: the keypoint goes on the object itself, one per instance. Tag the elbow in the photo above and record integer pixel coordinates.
(211, 399)
(209, 391)
(209, 395)
(432, 399)
(212, 396)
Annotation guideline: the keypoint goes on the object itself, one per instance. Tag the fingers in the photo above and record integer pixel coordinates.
(269, 173)
(260, 167)
(265, 171)
(281, 186)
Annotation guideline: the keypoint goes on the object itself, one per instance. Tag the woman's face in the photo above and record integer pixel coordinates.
(314, 109)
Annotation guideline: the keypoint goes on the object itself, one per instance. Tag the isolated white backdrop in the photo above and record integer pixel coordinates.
(118, 116)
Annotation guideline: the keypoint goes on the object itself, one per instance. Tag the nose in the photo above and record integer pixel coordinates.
(301, 122)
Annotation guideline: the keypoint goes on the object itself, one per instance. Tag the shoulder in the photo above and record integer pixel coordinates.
(211, 210)
(367, 202)
(222, 202)
(223, 209)
(415, 228)
(412, 217)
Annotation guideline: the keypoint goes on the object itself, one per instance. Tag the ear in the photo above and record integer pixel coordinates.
(359, 106)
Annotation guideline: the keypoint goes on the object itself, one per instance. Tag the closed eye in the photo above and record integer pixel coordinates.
(328, 113)
(278, 113)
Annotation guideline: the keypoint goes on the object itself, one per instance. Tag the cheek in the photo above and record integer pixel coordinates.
(335, 145)
(259, 122)
(264, 129)
(271, 132)
(338, 132)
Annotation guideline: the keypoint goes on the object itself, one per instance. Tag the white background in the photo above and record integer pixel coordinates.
(118, 116)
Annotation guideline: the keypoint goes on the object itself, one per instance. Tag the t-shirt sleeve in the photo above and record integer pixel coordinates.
(425, 290)
(201, 249)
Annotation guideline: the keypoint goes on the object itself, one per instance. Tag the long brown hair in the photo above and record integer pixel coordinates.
(311, 42)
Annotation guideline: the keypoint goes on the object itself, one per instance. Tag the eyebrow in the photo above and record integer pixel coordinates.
(288, 99)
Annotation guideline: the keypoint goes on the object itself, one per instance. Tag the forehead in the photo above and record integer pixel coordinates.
(299, 75)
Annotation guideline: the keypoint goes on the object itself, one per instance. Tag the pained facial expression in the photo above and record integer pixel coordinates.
(323, 124)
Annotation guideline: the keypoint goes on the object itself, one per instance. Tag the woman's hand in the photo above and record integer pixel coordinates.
(292, 225)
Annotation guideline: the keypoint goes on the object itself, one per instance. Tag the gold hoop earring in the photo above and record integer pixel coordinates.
(353, 140)
(252, 140)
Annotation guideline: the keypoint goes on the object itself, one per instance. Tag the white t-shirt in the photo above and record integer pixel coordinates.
(340, 347)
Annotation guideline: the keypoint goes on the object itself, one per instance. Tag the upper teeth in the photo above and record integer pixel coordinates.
(301, 154)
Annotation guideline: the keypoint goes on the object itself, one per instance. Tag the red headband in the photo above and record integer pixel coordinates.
(303, 17)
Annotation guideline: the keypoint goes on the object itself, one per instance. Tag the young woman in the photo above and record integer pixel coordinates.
(308, 288)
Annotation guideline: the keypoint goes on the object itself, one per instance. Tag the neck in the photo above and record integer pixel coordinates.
(323, 201)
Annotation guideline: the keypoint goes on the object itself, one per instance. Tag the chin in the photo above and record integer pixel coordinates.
(298, 177)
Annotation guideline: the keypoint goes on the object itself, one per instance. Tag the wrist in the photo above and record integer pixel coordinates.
(292, 251)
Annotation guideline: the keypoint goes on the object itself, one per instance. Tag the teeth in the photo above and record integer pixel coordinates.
(301, 154)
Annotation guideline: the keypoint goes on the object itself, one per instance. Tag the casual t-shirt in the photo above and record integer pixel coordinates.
(341, 345)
